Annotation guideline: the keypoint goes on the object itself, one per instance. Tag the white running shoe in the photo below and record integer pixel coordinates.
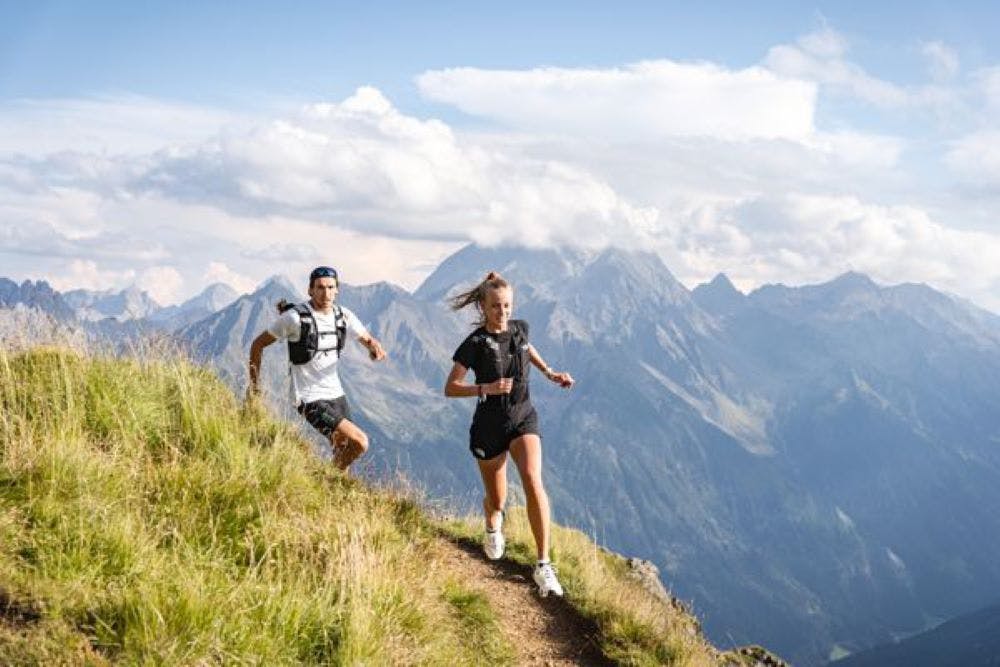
(493, 542)
(545, 576)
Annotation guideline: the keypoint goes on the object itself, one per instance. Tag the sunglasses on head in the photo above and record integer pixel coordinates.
(323, 272)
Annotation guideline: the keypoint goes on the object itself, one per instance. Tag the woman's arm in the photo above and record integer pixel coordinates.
(561, 378)
(455, 386)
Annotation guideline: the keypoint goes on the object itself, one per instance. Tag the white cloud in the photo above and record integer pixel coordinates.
(820, 57)
(987, 82)
(85, 274)
(856, 148)
(107, 125)
(641, 101)
(364, 166)
(717, 169)
(163, 283)
(976, 159)
(219, 272)
(814, 237)
(942, 60)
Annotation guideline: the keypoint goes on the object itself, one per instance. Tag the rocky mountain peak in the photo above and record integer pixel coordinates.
(719, 297)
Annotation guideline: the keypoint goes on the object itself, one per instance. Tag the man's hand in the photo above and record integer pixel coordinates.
(375, 350)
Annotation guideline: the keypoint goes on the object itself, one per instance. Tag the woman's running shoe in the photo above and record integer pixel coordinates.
(545, 577)
(493, 542)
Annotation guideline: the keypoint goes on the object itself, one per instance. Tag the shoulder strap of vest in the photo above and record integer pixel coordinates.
(305, 313)
(517, 333)
(302, 350)
(308, 331)
(341, 323)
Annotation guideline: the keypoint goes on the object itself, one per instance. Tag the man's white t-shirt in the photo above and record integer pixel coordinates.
(317, 379)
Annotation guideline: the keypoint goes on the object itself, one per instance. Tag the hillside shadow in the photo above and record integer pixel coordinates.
(17, 613)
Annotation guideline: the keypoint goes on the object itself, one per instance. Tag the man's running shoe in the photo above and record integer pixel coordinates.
(493, 542)
(545, 577)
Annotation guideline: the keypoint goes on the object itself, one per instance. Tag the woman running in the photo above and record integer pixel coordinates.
(498, 352)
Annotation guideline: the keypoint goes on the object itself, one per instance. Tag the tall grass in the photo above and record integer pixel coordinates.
(148, 517)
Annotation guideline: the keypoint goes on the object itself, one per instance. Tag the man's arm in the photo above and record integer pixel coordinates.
(256, 350)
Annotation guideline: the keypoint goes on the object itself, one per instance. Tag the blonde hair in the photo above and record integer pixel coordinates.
(477, 295)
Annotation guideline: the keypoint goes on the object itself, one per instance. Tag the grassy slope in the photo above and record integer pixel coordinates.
(146, 516)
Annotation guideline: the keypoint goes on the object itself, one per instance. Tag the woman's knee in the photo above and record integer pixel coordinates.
(531, 480)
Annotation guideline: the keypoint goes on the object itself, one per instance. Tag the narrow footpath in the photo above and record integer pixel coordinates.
(544, 632)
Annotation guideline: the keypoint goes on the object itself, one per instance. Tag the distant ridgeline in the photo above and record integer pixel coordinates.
(816, 469)
(966, 641)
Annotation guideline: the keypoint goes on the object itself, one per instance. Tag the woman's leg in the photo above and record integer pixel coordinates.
(494, 474)
(527, 453)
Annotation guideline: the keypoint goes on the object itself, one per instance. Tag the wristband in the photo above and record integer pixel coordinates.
(479, 390)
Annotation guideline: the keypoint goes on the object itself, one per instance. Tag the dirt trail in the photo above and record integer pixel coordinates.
(542, 632)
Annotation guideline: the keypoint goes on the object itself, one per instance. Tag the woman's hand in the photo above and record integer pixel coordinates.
(564, 380)
(501, 386)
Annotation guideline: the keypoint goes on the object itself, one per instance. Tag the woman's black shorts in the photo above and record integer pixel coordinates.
(492, 430)
(325, 415)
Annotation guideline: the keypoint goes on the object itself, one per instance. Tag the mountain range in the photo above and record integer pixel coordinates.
(816, 469)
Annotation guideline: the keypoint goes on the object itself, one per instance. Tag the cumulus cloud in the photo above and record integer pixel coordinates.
(363, 165)
(717, 169)
(44, 239)
(821, 56)
(942, 60)
(814, 237)
(976, 159)
(641, 101)
(219, 272)
(163, 283)
(86, 274)
(284, 252)
(107, 125)
(988, 86)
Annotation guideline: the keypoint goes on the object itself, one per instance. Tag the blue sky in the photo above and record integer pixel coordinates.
(168, 145)
(215, 53)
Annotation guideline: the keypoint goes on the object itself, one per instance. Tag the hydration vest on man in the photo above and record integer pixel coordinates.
(311, 339)
(315, 342)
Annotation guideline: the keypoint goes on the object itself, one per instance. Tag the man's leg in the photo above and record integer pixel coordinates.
(348, 442)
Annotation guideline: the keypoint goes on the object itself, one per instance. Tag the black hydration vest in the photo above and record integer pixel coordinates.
(305, 348)
(516, 355)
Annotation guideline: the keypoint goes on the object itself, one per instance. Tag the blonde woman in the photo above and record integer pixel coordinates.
(500, 356)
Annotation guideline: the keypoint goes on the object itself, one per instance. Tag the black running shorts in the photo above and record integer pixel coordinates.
(492, 430)
(326, 415)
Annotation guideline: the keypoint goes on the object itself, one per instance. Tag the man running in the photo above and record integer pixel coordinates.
(316, 332)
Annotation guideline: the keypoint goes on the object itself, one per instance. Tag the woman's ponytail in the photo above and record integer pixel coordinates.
(477, 295)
